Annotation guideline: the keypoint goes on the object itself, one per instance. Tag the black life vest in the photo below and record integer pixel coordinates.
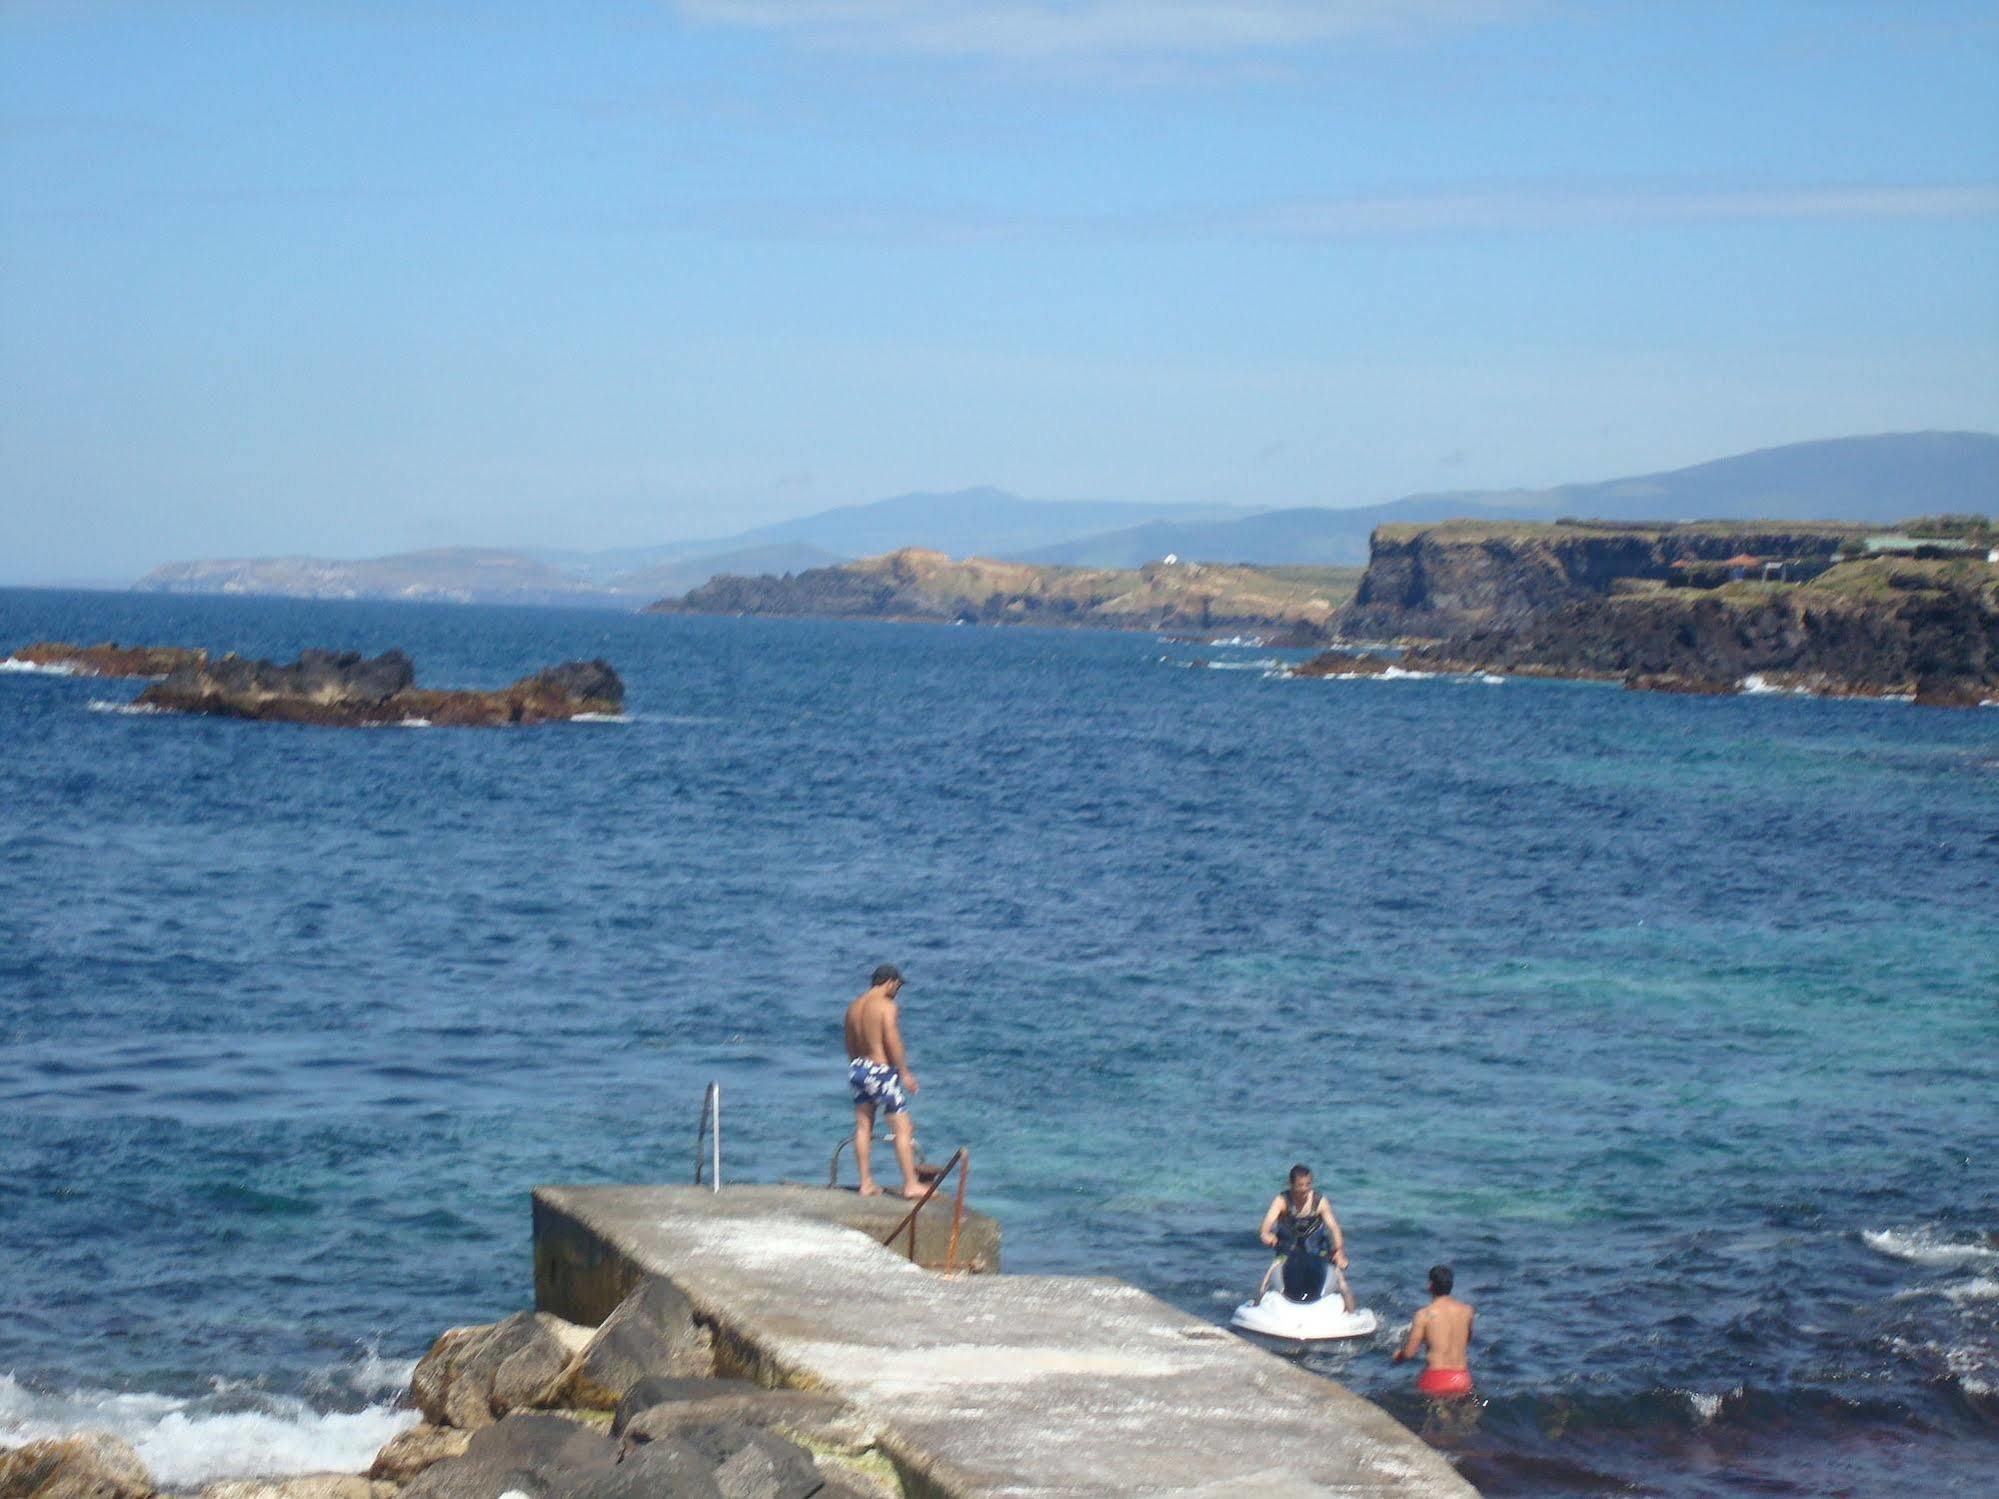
(1295, 1230)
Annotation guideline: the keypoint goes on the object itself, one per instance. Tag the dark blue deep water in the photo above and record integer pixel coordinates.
(1671, 1022)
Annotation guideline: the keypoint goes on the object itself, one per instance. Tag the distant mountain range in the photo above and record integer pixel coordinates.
(1871, 480)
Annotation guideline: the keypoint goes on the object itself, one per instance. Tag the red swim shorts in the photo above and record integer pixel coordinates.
(1444, 1382)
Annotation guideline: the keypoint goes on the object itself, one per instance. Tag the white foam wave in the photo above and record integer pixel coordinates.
(1969, 1366)
(1983, 1288)
(374, 1375)
(187, 1443)
(1707, 1404)
(135, 710)
(601, 718)
(1387, 674)
(1925, 1246)
(1758, 685)
(38, 668)
(1266, 665)
(414, 723)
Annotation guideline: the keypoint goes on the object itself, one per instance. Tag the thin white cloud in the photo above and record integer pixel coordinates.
(1439, 214)
(1028, 30)
(1529, 209)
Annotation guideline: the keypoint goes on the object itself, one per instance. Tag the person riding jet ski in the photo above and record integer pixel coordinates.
(1300, 1226)
(1311, 1251)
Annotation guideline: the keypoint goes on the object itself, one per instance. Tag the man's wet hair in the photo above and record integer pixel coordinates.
(888, 973)
(1441, 1280)
(1301, 1169)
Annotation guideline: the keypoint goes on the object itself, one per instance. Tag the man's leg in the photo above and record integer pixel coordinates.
(864, 1137)
(1346, 1291)
(905, 1153)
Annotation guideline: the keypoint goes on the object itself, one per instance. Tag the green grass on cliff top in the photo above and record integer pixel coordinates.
(1538, 530)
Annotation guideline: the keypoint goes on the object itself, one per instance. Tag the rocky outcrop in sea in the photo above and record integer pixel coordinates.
(108, 659)
(346, 690)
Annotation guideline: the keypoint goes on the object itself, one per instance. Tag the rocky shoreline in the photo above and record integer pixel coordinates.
(334, 689)
(548, 1409)
(1588, 603)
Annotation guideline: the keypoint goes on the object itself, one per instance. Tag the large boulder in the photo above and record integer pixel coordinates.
(752, 1464)
(651, 1334)
(539, 1456)
(659, 1470)
(408, 1453)
(661, 1389)
(474, 1375)
(90, 1465)
(799, 1415)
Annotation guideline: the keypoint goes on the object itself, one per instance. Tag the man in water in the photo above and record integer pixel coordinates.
(879, 1076)
(1445, 1325)
(1299, 1213)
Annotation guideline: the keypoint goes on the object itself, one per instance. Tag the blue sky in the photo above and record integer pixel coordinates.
(353, 278)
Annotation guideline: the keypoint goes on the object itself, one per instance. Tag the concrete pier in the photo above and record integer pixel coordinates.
(1023, 1386)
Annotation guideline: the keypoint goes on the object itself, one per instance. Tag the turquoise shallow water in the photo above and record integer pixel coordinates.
(1670, 1022)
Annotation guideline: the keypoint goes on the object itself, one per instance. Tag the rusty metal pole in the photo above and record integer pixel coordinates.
(909, 1220)
(958, 1210)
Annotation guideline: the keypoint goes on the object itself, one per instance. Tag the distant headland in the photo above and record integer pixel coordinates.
(1706, 607)
(1295, 603)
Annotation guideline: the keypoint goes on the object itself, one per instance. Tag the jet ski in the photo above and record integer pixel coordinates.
(1299, 1308)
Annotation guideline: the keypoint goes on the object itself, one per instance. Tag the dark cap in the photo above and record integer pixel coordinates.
(888, 973)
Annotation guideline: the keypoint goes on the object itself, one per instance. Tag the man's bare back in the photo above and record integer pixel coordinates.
(1444, 1327)
(871, 1021)
(878, 1075)
(1442, 1331)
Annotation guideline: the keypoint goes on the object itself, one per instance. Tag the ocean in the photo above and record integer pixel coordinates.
(1671, 1023)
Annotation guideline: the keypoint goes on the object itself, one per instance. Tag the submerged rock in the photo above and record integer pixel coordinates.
(346, 690)
(91, 1465)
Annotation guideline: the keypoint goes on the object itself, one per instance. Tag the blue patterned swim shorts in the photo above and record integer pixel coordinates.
(878, 1083)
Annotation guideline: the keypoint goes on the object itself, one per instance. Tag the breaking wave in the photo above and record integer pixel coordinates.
(234, 1432)
(53, 669)
(1925, 1246)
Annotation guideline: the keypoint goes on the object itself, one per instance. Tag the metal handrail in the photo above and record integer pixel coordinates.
(833, 1166)
(709, 1132)
(959, 1157)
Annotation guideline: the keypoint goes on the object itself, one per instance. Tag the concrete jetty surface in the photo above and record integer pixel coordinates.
(1021, 1386)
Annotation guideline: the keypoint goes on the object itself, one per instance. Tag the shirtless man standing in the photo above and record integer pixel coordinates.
(879, 1076)
(1445, 1324)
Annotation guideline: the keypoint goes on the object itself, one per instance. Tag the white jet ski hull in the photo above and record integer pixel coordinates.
(1324, 1320)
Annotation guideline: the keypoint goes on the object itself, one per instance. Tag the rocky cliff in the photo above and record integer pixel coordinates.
(1432, 581)
(1879, 627)
(913, 584)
